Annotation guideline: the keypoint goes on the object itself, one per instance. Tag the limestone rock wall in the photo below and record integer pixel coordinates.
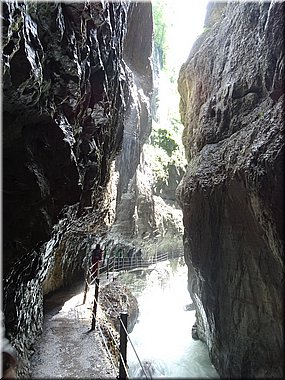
(66, 94)
(137, 56)
(144, 220)
(232, 108)
(145, 216)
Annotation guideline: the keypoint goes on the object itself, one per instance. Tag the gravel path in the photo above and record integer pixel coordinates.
(67, 347)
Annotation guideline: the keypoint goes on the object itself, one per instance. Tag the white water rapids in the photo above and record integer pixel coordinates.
(162, 335)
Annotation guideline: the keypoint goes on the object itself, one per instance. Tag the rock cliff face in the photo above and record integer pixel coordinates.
(138, 116)
(141, 218)
(232, 104)
(67, 97)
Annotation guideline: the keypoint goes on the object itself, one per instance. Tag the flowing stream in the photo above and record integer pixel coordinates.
(162, 334)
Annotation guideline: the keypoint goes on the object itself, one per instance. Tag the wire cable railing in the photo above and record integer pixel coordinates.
(111, 335)
(127, 334)
(103, 339)
(116, 264)
(112, 265)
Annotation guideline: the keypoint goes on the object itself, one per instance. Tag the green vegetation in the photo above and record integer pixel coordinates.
(166, 150)
(165, 143)
(164, 139)
(205, 30)
(160, 26)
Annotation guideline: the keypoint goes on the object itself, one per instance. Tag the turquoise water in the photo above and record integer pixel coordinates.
(162, 335)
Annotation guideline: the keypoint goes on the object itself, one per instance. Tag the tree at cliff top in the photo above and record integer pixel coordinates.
(160, 28)
(165, 140)
(176, 25)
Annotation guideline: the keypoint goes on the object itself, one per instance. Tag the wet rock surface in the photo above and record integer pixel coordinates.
(66, 93)
(60, 83)
(144, 217)
(144, 221)
(116, 298)
(232, 97)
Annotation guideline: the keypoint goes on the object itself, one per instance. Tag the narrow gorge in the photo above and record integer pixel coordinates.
(78, 107)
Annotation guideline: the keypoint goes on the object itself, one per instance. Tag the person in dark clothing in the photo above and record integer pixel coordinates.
(119, 259)
(139, 257)
(129, 258)
(97, 255)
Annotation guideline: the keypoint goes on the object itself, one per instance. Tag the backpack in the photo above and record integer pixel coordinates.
(97, 254)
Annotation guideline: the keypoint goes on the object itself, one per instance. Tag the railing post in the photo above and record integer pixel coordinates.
(86, 288)
(94, 313)
(123, 345)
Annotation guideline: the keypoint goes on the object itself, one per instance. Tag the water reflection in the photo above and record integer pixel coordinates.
(162, 335)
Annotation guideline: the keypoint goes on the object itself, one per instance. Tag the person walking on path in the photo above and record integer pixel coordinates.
(97, 256)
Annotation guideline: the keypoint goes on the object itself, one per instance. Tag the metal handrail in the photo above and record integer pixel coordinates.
(115, 265)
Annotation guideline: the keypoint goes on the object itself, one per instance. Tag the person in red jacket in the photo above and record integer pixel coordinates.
(97, 255)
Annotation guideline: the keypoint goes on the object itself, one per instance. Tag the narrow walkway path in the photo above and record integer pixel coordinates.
(67, 348)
